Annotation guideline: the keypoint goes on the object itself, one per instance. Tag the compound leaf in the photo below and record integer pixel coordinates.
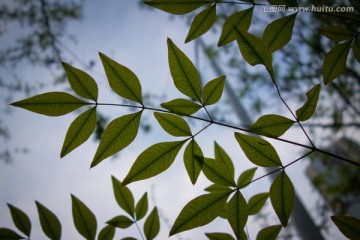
(269, 233)
(152, 225)
(107, 233)
(141, 207)
(271, 125)
(6, 233)
(50, 224)
(307, 110)
(222, 156)
(202, 23)
(123, 196)
(217, 188)
(256, 202)
(246, 177)
(183, 107)
(219, 236)
(20, 219)
(336, 33)
(213, 90)
(120, 222)
(237, 213)
(178, 7)
(172, 124)
(349, 226)
(193, 160)
(84, 219)
(217, 172)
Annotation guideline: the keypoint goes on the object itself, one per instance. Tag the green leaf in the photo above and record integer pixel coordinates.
(271, 125)
(258, 151)
(241, 20)
(123, 196)
(246, 177)
(335, 61)
(117, 135)
(129, 238)
(84, 220)
(153, 161)
(20, 219)
(141, 207)
(336, 33)
(278, 33)
(237, 213)
(50, 224)
(219, 236)
(51, 104)
(307, 110)
(152, 225)
(222, 156)
(8, 234)
(172, 124)
(178, 7)
(79, 131)
(349, 226)
(217, 188)
(217, 172)
(181, 106)
(288, 3)
(120, 222)
(282, 197)
(202, 23)
(213, 90)
(269, 233)
(256, 202)
(199, 211)
(356, 49)
(122, 80)
(81, 82)
(107, 233)
(186, 77)
(193, 160)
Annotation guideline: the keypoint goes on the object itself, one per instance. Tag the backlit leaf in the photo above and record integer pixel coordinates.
(356, 49)
(81, 82)
(107, 233)
(202, 23)
(307, 110)
(271, 125)
(193, 160)
(117, 135)
(288, 3)
(181, 106)
(349, 226)
(213, 90)
(141, 207)
(178, 6)
(219, 236)
(123, 196)
(51, 104)
(50, 224)
(217, 188)
(79, 131)
(152, 225)
(241, 20)
(172, 124)
(217, 172)
(199, 211)
(246, 177)
(120, 222)
(282, 197)
(256, 202)
(20, 219)
(8, 234)
(186, 77)
(335, 61)
(84, 220)
(336, 33)
(269, 233)
(222, 156)
(278, 33)
(153, 161)
(121, 79)
(237, 213)
(258, 151)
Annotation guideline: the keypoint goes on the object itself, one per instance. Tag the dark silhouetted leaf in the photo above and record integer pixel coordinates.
(117, 135)
(51, 104)
(356, 49)
(123, 196)
(122, 80)
(271, 125)
(202, 23)
(152, 225)
(308, 109)
(193, 160)
(237, 213)
(219, 236)
(217, 188)
(181, 106)
(50, 224)
(8, 234)
(355, 4)
(269, 233)
(282, 197)
(258, 151)
(141, 207)
(153, 161)
(213, 90)
(336, 33)
(120, 222)
(217, 172)
(256, 202)
(222, 156)
(246, 177)
(172, 124)
(349, 226)
(84, 220)
(177, 6)
(288, 3)
(20, 219)
(129, 238)
(107, 233)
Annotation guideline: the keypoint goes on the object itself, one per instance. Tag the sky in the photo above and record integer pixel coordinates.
(136, 39)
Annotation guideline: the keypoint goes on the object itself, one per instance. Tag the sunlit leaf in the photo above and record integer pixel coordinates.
(217, 172)
(141, 207)
(336, 33)
(20, 219)
(217, 188)
(81, 82)
(107, 233)
(178, 6)
(193, 160)
(172, 124)
(202, 23)
(50, 224)
(186, 77)
(356, 49)
(258, 151)
(123, 196)
(79, 131)
(307, 110)
(117, 135)
(246, 177)
(181, 106)
(153, 161)
(199, 211)
(269, 233)
(121, 79)
(84, 219)
(152, 225)
(278, 33)
(219, 236)
(335, 61)
(213, 90)
(256, 202)
(8, 234)
(241, 20)
(349, 226)
(282, 197)
(271, 125)
(237, 213)
(51, 104)
(288, 3)
(222, 156)
(120, 222)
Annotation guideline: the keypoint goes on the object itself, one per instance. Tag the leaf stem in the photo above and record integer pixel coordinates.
(137, 226)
